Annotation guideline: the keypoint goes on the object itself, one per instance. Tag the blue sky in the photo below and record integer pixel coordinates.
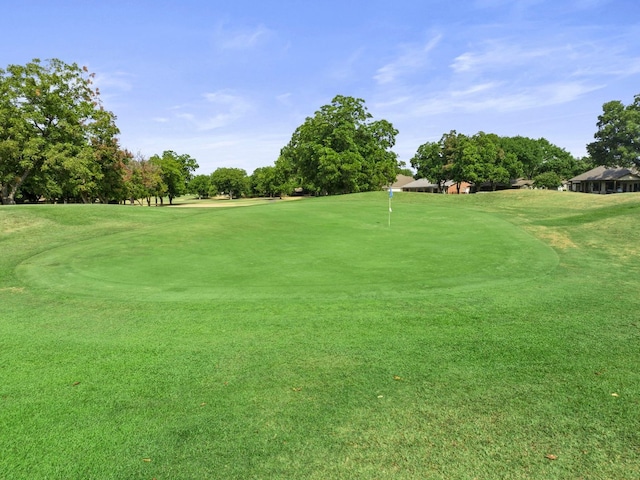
(228, 82)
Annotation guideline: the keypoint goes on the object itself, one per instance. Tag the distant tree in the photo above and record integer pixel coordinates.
(176, 172)
(134, 187)
(558, 160)
(463, 157)
(405, 171)
(495, 166)
(340, 150)
(430, 162)
(285, 178)
(618, 137)
(143, 180)
(232, 181)
(264, 182)
(538, 156)
(460, 158)
(550, 180)
(50, 119)
(200, 185)
(527, 151)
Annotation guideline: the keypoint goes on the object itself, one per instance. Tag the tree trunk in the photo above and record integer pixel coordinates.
(6, 197)
(9, 193)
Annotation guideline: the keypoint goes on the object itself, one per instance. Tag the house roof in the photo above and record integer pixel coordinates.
(521, 182)
(401, 181)
(606, 173)
(420, 183)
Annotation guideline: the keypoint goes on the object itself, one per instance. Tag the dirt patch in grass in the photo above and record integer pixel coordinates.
(12, 289)
(554, 238)
(14, 223)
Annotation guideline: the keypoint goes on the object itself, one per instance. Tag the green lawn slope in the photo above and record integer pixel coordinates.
(478, 336)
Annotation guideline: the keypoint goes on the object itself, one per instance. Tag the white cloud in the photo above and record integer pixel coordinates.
(503, 54)
(120, 81)
(219, 109)
(284, 99)
(474, 89)
(412, 59)
(490, 98)
(346, 70)
(242, 38)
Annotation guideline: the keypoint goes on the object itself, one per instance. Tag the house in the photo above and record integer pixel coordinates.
(421, 185)
(453, 189)
(606, 180)
(521, 183)
(401, 181)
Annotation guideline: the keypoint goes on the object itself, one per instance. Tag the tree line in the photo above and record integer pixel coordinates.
(57, 142)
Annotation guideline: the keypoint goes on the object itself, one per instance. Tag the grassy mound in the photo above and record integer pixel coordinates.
(478, 336)
(334, 247)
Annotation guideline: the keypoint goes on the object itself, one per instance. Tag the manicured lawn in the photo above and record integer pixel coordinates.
(480, 336)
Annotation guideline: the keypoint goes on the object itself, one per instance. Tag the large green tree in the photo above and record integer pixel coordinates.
(539, 156)
(460, 158)
(495, 166)
(143, 180)
(341, 150)
(176, 171)
(200, 185)
(433, 161)
(618, 137)
(50, 119)
(231, 181)
(486, 158)
(264, 182)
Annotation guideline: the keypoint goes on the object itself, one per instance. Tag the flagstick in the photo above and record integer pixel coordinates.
(390, 195)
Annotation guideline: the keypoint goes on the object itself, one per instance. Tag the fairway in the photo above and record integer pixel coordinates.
(328, 247)
(477, 336)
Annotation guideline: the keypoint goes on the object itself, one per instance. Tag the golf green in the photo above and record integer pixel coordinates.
(343, 247)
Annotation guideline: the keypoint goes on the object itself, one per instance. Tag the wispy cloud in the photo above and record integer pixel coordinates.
(218, 110)
(284, 98)
(489, 98)
(114, 82)
(233, 38)
(413, 58)
(503, 54)
(346, 69)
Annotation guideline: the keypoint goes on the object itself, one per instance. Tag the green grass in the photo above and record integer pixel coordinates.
(308, 339)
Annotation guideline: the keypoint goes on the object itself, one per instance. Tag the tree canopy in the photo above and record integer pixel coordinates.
(618, 137)
(176, 171)
(341, 150)
(56, 139)
(477, 159)
(486, 158)
(232, 181)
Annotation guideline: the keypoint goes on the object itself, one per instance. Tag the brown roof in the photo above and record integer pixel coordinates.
(421, 183)
(606, 173)
(401, 181)
(521, 182)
